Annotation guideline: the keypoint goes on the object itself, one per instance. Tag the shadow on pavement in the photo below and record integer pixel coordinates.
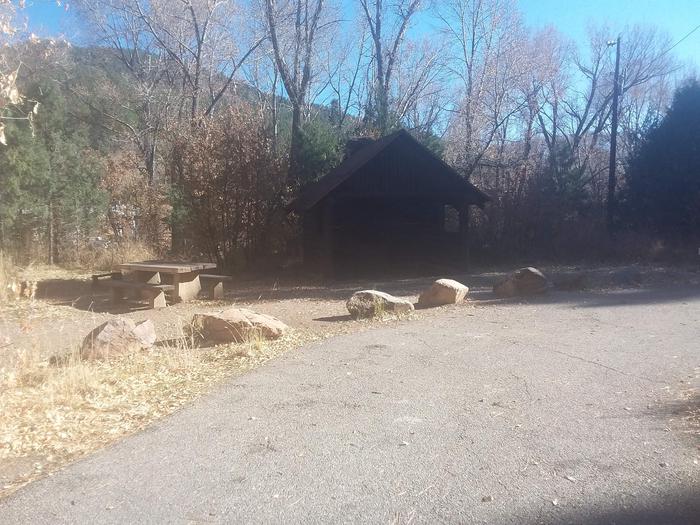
(657, 294)
(683, 415)
(675, 509)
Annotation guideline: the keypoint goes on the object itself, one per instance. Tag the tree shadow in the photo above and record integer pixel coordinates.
(82, 295)
(267, 290)
(641, 296)
(63, 290)
(684, 415)
(598, 287)
(334, 318)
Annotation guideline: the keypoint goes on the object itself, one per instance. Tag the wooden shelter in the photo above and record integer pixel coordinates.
(391, 206)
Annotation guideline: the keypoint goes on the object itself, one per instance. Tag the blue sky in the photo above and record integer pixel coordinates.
(571, 17)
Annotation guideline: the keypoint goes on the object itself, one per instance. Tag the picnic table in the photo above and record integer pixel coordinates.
(151, 280)
(184, 277)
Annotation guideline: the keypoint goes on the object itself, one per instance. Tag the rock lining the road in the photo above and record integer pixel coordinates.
(442, 292)
(522, 282)
(367, 304)
(237, 325)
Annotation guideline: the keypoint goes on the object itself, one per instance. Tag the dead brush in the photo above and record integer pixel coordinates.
(105, 258)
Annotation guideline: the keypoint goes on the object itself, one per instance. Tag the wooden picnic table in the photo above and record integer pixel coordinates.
(183, 276)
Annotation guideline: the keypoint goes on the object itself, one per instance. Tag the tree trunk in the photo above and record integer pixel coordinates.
(177, 234)
(51, 239)
(383, 111)
(151, 162)
(294, 173)
(273, 107)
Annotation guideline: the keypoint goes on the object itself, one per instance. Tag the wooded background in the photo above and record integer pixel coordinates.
(185, 126)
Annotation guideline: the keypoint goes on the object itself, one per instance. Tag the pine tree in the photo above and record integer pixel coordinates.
(663, 175)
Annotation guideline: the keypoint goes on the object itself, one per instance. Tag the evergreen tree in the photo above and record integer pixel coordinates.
(49, 178)
(663, 175)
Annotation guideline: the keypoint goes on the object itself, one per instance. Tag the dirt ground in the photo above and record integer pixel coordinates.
(67, 307)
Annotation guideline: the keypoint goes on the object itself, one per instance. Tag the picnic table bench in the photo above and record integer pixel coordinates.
(153, 293)
(214, 284)
(152, 280)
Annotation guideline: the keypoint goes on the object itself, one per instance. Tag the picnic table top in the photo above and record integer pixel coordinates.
(167, 266)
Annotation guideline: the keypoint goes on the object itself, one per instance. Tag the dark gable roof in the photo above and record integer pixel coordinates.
(315, 192)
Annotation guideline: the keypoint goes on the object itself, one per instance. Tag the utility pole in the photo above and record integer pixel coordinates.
(613, 139)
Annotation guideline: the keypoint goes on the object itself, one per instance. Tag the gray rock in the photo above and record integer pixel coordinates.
(443, 291)
(522, 282)
(117, 336)
(372, 303)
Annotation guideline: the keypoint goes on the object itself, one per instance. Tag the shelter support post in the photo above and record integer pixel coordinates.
(326, 245)
(464, 233)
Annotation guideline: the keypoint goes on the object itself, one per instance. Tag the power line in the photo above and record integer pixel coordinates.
(681, 40)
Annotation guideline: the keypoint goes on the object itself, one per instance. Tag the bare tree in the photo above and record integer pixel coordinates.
(490, 65)
(388, 23)
(197, 37)
(181, 56)
(343, 66)
(119, 27)
(576, 115)
(295, 28)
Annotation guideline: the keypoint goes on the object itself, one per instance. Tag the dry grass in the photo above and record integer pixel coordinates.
(52, 414)
(112, 255)
(8, 276)
(85, 256)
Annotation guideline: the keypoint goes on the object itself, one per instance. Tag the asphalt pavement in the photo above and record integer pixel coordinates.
(566, 409)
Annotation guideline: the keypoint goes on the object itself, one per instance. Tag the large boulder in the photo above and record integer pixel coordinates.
(119, 335)
(525, 281)
(443, 291)
(237, 325)
(372, 303)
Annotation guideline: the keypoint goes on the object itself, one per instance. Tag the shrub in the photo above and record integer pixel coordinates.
(232, 188)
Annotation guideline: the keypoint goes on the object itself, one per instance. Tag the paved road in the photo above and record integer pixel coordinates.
(560, 411)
